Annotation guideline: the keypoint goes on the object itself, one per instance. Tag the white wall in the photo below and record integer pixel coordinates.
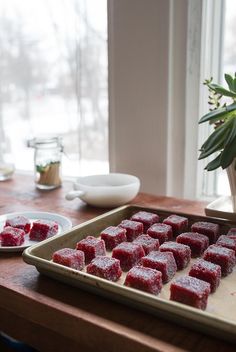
(138, 84)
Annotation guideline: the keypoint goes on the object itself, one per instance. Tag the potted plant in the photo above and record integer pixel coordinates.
(222, 141)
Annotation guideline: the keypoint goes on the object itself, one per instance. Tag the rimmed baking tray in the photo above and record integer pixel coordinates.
(219, 319)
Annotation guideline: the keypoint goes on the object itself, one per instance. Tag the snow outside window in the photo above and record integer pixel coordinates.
(53, 79)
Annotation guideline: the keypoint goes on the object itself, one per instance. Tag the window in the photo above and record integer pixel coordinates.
(220, 58)
(53, 79)
(160, 52)
(228, 66)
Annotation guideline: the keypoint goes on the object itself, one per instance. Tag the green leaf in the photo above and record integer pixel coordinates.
(232, 133)
(218, 114)
(235, 83)
(221, 90)
(230, 81)
(229, 153)
(214, 149)
(217, 136)
(40, 168)
(214, 164)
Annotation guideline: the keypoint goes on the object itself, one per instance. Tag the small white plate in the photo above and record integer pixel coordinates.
(63, 222)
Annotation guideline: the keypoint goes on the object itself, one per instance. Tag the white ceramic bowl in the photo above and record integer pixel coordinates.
(110, 190)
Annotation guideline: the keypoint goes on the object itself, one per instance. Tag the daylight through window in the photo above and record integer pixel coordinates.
(53, 79)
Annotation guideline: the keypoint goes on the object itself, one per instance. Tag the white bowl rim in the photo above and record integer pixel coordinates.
(135, 180)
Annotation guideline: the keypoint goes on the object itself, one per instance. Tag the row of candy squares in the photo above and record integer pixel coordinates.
(102, 266)
(197, 243)
(191, 290)
(130, 229)
(151, 223)
(174, 225)
(186, 289)
(126, 254)
(16, 228)
(108, 268)
(139, 277)
(212, 231)
(180, 224)
(208, 229)
(142, 222)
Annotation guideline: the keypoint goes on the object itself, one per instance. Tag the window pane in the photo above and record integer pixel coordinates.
(53, 79)
(228, 66)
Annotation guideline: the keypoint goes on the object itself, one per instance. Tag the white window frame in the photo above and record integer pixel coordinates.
(211, 66)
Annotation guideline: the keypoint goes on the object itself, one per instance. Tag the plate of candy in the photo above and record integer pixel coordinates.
(21, 230)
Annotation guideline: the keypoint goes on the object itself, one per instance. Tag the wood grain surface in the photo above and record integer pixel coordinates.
(51, 316)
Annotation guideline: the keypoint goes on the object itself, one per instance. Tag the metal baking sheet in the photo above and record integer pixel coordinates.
(219, 317)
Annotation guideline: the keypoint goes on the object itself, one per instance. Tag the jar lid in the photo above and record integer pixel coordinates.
(45, 141)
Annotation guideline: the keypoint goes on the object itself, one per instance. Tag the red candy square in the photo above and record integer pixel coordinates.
(19, 222)
(69, 257)
(208, 229)
(206, 271)
(11, 236)
(112, 236)
(129, 254)
(162, 232)
(148, 243)
(178, 223)
(105, 267)
(222, 256)
(162, 261)
(181, 252)
(227, 242)
(133, 229)
(146, 218)
(43, 229)
(232, 232)
(92, 247)
(191, 291)
(196, 241)
(144, 279)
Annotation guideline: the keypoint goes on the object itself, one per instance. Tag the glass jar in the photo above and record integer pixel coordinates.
(47, 161)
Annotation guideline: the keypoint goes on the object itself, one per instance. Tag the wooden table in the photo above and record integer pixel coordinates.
(51, 316)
